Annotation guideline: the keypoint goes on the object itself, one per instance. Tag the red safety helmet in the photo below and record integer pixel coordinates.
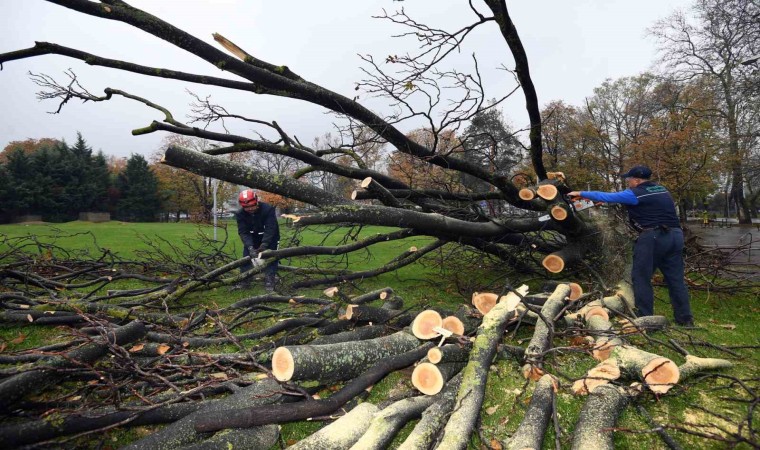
(248, 198)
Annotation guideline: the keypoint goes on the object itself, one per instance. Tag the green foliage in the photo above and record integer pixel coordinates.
(139, 200)
(53, 180)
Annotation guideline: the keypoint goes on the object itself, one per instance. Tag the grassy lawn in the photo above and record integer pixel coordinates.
(723, 319)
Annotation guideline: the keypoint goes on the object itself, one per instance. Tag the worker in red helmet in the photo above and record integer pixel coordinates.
(259, 231)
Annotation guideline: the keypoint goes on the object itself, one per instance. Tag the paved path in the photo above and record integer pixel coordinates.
(747, 236)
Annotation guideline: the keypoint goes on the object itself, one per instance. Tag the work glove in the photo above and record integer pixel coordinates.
(255, 257)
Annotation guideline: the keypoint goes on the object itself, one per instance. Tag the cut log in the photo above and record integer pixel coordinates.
(547, 191)
(527, 194)
(359, 334)
(263, 415)
(434, 418)
(449, 353)
(602, 374)
(514, 299)
(430, 378)
(337, 362)
(604, 340)
(658, 373)
(576, 290)
(484, 302)
(596, 311)
(341, 434)
(644, 324)
(470, 396)
(569, 255)
(424, 324)
(596, 422)
(256, 438)
(453, 324)
(331, 291)
(695, 365)
(364, 313)
(31, 382)
(530, 433)
(559, 212)
(388, 422)
(543, 333)
(379, 294)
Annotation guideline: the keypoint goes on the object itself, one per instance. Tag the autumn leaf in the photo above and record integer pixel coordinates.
(728, 326)
(19, 339)
(491, 410)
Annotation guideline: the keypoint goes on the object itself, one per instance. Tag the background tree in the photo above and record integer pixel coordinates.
(138, 186)
(713, 47)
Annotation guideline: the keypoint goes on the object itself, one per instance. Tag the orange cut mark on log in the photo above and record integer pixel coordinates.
(553, 263)
(559, 213)
(484, 302)
(547, 191)
(526, 194)
(424, 324)
(283, 365)
(660, 374)
(427, 379)
(453, 324)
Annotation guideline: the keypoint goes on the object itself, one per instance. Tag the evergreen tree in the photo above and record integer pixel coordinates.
(139, 200)
(487, 141)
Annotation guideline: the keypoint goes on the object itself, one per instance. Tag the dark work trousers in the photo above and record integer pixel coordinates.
(269, 271)
(660, 249)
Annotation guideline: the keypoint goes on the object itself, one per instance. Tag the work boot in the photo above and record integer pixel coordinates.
(269, 283)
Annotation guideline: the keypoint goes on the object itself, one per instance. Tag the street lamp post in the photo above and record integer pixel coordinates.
(215, 186)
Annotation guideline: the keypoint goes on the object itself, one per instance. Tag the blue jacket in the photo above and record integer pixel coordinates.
(259, 229)
(649, 205)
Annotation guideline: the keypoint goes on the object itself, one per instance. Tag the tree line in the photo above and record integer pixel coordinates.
(57, 181)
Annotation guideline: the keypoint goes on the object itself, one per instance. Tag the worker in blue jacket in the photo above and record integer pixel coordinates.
(259, 231)
(652, 212)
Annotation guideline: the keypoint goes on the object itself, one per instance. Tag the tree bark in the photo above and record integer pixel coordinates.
(342, 433)
(248, 417)
(434, 418)
(596, 422)
(530, 433)
(336, 362)
(391, 419)
(544, 332)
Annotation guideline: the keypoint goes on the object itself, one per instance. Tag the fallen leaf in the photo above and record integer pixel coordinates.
(137, 348)
(491, 410)
(496, 445)
(21, 338)
(3, 345)
(728, 326)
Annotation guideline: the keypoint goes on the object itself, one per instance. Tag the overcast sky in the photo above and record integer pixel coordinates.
(572, 46)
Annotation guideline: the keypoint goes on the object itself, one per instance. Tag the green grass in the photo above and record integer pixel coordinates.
(724, 319)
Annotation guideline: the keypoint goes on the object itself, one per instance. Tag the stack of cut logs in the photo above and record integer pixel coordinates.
(454, 367)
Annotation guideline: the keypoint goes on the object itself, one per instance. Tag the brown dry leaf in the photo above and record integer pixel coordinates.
(137, 348)
(291, 442)
(728, 326)
(21, 338)
(578, 341)
(163, 348)
(219, 375)
(495, 445)
(3, 346)
(491, 410)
